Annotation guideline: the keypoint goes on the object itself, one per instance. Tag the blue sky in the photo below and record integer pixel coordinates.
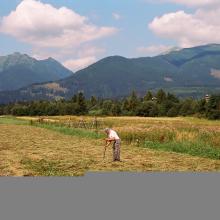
(130, 28)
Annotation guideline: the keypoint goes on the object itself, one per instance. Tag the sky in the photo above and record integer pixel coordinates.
(77, 33)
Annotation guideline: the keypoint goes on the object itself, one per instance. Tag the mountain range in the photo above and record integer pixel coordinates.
(185, 72)
(20, 70)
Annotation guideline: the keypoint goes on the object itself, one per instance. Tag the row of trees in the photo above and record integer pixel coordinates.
(151, 105)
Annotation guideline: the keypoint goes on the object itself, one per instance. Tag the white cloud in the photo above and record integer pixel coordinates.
(88, 51)
(201, 27)
(77, 64)
(191, 3)
(80, 51)
(84, 57)
(116, 16)
(73, 59)
(46, 26)
(153, 50)
(60, 33)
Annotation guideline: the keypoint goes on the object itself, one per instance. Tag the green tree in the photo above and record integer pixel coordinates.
(125, 105)
(74, 98)
(148, 96)
(161, 96)
(81, 102)
(173, 112)
(107, 107)
(133, 103)
(164, 107)
(92, 102)
(213, 107)
(188, 107)
(116, 109)
(148, 109)
(1, 110)
(201, 107)
(172, 98)
(19, 110)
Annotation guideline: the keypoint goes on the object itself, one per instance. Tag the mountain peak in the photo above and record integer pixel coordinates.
(173, 49)
(51, 59)
(18, 54)
(15, 59)
(113, 58)
(18, 70)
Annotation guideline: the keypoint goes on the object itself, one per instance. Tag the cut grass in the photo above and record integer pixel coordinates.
(43, 168)
(54, 149)
(33, 151)
(192, 148)
(196, 137)
(200, 149)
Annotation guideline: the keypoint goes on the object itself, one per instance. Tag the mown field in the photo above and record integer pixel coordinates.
(64, 146)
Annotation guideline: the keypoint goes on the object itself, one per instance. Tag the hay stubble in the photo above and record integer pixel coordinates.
(27, 150)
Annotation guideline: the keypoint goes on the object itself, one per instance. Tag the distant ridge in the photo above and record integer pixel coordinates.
(186, 72)
(173, 49)
(19, 70)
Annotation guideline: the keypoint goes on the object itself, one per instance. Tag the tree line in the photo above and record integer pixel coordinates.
(150, 105)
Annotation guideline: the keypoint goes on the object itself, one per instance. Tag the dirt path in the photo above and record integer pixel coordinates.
(26, 150)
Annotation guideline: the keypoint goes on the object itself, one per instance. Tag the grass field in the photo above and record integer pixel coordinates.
(55, 148)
